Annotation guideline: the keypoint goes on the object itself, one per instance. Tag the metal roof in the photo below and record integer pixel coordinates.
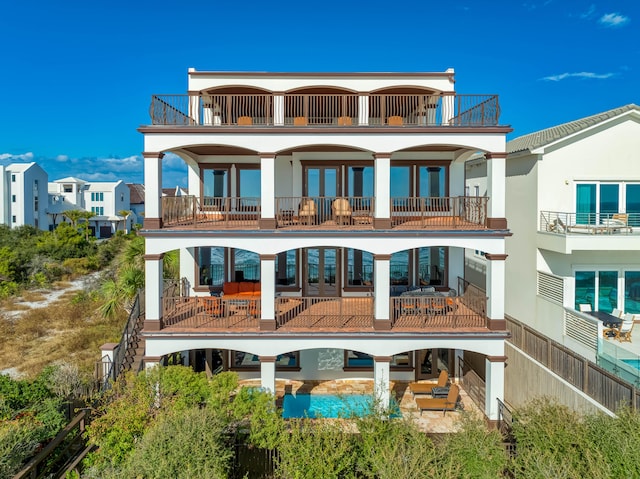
(544, 137)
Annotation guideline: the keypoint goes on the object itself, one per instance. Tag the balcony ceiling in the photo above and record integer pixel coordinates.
(210, 150)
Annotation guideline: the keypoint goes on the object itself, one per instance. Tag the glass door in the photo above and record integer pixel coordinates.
(431, 361)
(322, 185)
(321, 275)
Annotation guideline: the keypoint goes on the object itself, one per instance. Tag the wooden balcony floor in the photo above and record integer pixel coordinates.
(428, 223)
(326, 317)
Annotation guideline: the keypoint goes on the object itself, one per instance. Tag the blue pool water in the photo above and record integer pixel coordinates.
(634, 363)
(326, 405)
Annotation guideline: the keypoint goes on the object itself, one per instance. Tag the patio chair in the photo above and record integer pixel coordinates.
(585, 308)
(211, 305)
(440, 404)
(341, 211)
(245, 120)
(395, 121)
(307, 211)
(426, 388)
(300, 121)
(616, 312)
(624, 332)
(344, 121)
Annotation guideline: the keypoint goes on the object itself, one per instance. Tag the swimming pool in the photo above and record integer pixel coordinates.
(330, 405)
(634, 363)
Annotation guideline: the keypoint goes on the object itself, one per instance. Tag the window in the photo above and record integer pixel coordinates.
(287, 268)
(359, 267)
(632, 292)
(13, 178)
(67, 188)
(35, 204)
(97, 196)
(246, 265)
(13, 198)
(215, 186)
(431, 266)
(399, 268)
(598, 201)
(598, 289)
(358, 360)
(211, 261)
(242, 360)
(98, 210)
(13, 219)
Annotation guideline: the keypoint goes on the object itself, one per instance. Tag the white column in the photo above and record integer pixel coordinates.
(448, 106)
(108, 352)
(278, 109)
(381, 381)
(456, 266)
(496, 187)
(194, 107)
(456, 179)
(193, 180)
(153, 292)
(381, 270)
(494, 380)
(188, 268)
(268, 373)
(152, 189)
(363, 110)
(267, 286)
(267, 185)
(382, 185)
(150, 361)
(495, 285)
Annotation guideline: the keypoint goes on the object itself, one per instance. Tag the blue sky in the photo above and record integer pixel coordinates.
(76, 78)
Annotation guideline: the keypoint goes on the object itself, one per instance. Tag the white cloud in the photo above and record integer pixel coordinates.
(23, 157)
(562, 76)
(613, 20)
(589, 13)
(62, 158)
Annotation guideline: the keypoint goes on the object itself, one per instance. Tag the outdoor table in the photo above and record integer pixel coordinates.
(607, 319)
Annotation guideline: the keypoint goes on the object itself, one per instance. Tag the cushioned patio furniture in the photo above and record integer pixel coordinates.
(245, 120)
(395, 121)
(341, 211)
(440, 404)
(211, 306)
(426, 388)
(345, 121)
(300, 121)
(307, 211)
(623, 333)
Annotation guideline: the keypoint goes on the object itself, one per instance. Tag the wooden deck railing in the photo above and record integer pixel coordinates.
(439, 312)
(214, 312)
(324, 110)
(229, 212)
(459, 212)
(319, 210)
(323, 312)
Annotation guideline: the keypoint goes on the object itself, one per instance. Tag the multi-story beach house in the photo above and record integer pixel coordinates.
(23, 195)
(573, 204)
(325, 230)
(107, 200)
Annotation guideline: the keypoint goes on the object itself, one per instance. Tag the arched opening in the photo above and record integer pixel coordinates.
(321, 106)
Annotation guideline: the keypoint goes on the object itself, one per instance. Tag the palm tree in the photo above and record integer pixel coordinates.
(125, 214)
(86, 216)
(74, 216)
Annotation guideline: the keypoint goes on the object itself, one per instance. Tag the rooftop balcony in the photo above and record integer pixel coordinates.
(567, 232)
(325, 213)
(325, 110)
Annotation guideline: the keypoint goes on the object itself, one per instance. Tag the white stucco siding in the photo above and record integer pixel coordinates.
(522, 212)
(611, 152)
(275, 243)
(156, 345)
(203, 81)
(272, 142)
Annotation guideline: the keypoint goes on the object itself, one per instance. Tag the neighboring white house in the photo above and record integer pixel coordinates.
(23, 194)
(573, 205)
(315, 201)
(107, 200)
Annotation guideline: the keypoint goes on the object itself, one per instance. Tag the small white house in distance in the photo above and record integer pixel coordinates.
(573, 205)
(107, 200)
(23, 194)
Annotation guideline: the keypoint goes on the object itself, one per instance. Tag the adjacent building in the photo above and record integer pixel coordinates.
(326, 227)
(23, 195)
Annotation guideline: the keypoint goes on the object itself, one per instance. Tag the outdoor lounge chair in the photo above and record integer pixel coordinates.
(395, 121)
(426, 388)
(585, 308)
(307, 211)
(341, 211)
(440, 404)
(211, 306)
(624, 332)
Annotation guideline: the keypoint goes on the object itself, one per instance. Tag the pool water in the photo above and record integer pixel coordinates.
(634, 363)
(327, 405)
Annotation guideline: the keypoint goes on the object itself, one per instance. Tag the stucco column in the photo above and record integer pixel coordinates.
(456, 178)
(381, 289)
(456, 266)
(193, 180)
(496, 190)
(268, 373)
(188, 268)
(382, 188)
(448, 107)
(194, 107)
(363, 109)
(153, 292)
(108, 353)
(267, 292)
(278, 109)
(495, 290)
(494, 385)
(151, 361)
(381, 384)
(267, 190)
(152, 190)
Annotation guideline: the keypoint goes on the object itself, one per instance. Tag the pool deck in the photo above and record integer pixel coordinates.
(429, 421)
